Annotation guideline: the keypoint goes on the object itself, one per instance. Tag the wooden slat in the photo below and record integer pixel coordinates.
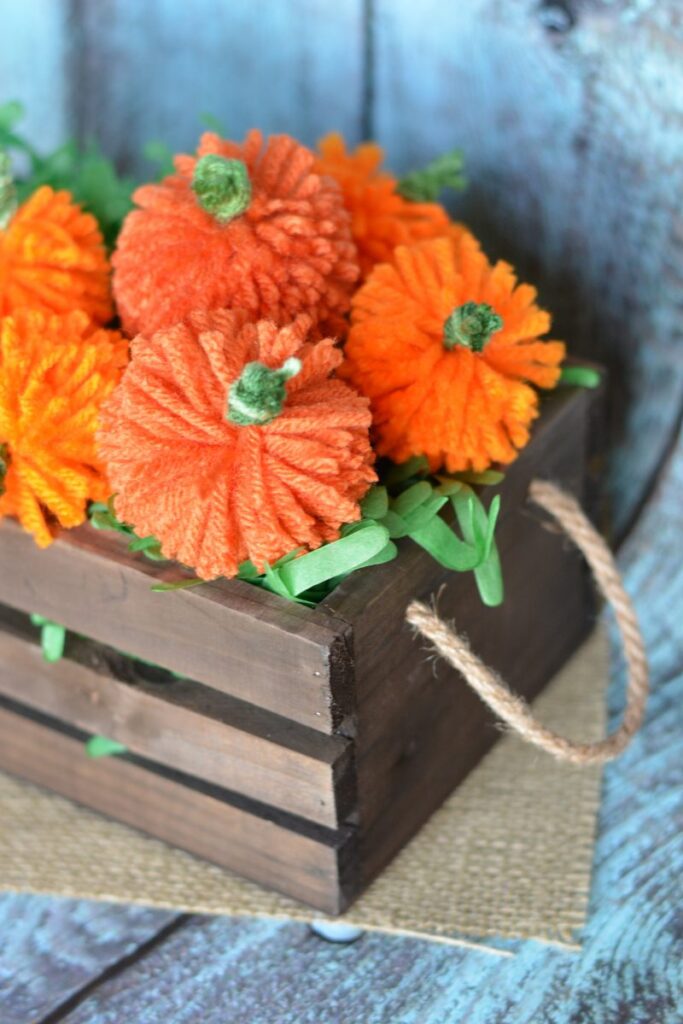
(275, 654)
(274, 66)
(307, 862)
(187, 726)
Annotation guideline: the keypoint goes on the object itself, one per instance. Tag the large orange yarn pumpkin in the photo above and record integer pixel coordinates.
(446, 347)
(52, 258)
(246, 226)
(381, 218)
(55, 372)
(229, 440)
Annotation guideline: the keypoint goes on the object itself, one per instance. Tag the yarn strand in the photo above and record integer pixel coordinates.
(512, 709)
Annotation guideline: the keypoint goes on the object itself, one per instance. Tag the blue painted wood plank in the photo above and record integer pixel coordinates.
(574, 150)
(33, 44)
(148, 71)
(628, 971)
(50, 949)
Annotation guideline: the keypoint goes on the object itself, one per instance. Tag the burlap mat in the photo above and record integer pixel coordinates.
(509, 855)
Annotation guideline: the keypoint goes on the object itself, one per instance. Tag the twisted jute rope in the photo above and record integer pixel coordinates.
(513, 710)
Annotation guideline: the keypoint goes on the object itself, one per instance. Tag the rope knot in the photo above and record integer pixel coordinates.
(222, 186)
(471, 326)
(258, 395)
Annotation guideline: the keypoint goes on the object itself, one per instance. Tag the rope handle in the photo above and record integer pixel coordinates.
(512, 709)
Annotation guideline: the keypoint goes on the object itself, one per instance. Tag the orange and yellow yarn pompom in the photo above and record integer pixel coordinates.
(55, 372)
(446, 347)
(381, 219)
(229, 440)
(52, 258)
(247, 226)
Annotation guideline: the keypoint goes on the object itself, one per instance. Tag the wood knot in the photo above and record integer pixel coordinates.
(556, 16)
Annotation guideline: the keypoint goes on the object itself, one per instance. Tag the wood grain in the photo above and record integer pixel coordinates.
(311, 863)
(296, 67)
(52, 949)
(228, 634)
(186, 726)
(573, 140)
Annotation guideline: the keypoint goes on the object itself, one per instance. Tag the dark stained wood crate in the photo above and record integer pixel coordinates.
(302, 747)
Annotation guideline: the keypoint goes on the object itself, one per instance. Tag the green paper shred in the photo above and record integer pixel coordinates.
(412, 498)
(149, 546)
(52, 637)
(489, 478)
(427, 184)
(86, 172)
(375, 503)
(213, 123)
(421, 514)
(10, 114)
(448, 550)
(477, 526)
(331, 560)
(103, 517)
(159, 153)
(580, 377)
(399, 473)
(273, 581)
(395, 524)
(102, 746)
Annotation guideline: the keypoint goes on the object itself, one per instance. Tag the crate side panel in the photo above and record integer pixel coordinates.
(308, 868)
(187, 726)
(420, 728)
(228, 635)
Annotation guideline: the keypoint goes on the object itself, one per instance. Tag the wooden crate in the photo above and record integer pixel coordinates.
(305, 746)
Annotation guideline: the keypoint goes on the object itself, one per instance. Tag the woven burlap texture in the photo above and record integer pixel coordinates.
(508, 855)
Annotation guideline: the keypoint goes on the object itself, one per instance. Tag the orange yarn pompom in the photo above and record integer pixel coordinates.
(55, 371)
(444, 344)
(245, 226)
(381, 218)
(52, 258)
(229, 440)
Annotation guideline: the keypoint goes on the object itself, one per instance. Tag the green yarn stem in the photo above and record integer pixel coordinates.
(258, 394)
(8, 192)
(426, 185)
(4, 466)
(471, 326)
(222, 186)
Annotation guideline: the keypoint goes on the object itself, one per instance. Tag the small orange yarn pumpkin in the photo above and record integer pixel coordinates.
(229, 440)
(445, 346)
(55, 372)
(381, 218)
(247, 226)
(52, 258)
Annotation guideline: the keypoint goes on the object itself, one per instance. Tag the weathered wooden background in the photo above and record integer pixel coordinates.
(570, 113)
(571, 116)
